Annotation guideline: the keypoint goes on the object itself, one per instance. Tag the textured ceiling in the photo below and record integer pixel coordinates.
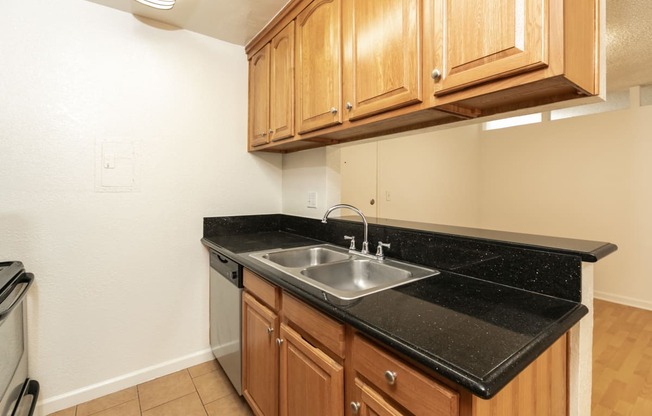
(233, 21)
(629, 29)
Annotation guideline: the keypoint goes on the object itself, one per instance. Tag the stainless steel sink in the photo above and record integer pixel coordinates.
(304, 257)
(341, 273)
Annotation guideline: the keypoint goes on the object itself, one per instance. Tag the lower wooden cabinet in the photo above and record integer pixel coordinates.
(285, 368)
(411, 389)
(311, 383)
(260, 357)
(368, 402)
(298, 361)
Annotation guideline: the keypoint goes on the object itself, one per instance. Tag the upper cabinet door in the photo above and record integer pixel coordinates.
(382, 55)
(259, 97)
(482, 40)
(318, 70)
(281, 108)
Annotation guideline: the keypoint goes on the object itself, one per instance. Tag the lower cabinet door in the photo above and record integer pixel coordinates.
(259, 357)
(311, 382)
(369, 403)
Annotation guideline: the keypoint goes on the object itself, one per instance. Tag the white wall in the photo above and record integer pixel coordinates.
(431, 175)
(122, 278)
(315, 170)
(585, 177)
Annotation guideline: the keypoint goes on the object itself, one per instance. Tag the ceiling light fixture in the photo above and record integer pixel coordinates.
(158, 4)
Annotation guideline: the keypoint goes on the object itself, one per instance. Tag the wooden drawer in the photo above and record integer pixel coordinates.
(323, 329)
(413, 390)
(262, 289)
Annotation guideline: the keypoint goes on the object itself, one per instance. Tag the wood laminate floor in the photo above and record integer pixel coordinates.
(622, 360)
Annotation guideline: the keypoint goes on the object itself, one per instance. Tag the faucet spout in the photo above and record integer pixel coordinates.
(365, 243)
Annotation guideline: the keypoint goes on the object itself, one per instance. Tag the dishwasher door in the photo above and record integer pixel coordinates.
(226, 316)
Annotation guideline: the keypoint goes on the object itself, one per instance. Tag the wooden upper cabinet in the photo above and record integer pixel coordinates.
(318, 65)
(476, 41)
(281, 110)
(259, 98)
(382, 55)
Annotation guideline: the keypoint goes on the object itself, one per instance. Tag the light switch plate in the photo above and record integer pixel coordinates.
(312, 199)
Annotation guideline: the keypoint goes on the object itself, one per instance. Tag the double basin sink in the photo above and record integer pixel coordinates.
(344, 274)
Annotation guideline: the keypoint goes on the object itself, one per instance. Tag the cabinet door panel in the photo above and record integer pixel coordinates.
(260, 357)
(371, 403)
(382, 66)
(318, 70)
(259, 97)
(311, 382)
(482, 40)
(281, 109)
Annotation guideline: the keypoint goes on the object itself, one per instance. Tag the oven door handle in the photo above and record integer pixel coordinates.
(21, 286)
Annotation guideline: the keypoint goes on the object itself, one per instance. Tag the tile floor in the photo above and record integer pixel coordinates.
(202, 390)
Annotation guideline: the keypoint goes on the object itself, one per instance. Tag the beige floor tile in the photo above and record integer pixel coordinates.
(231, 405)
(108, 401)
(189, 405)
(130, 408)
(212, 386)
(164, 389)
(65, 412)
(203, 368)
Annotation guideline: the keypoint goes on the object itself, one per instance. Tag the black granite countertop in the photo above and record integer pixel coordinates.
(476, 333)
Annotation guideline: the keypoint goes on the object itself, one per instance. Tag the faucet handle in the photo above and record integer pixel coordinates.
(352, 238)
(379, 249)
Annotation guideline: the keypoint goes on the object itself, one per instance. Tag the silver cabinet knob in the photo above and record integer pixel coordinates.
(390, 377)
(279, 341)
(333, 110)
(355, 407)
(263, 134)
(271, 131)
(349, 106)
(435, 74)
(270, 330)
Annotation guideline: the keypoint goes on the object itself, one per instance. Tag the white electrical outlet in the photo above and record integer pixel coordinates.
(312, 199)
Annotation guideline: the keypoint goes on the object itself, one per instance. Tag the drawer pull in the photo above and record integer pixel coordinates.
(270, 330)
(279, 341)
(355, 407)
(390, 377)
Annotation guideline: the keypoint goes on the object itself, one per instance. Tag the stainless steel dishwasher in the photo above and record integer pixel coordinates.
(226, 315)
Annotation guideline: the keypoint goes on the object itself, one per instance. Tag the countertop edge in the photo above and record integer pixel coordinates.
(559, 245)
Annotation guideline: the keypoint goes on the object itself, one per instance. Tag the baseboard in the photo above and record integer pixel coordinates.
(624, 300)
(84, 394)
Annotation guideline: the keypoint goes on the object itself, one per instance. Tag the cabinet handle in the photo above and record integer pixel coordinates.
(435, 74)
(349, 106)
(390, 377)
(355, 407)
(279, 341)
(270, 330)
(263, 134)
(271, 131)
(333, 110)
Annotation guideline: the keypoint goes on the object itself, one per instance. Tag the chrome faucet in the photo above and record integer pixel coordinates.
(365, 243)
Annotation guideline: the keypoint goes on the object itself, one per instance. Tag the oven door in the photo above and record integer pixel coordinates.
(14, 385)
